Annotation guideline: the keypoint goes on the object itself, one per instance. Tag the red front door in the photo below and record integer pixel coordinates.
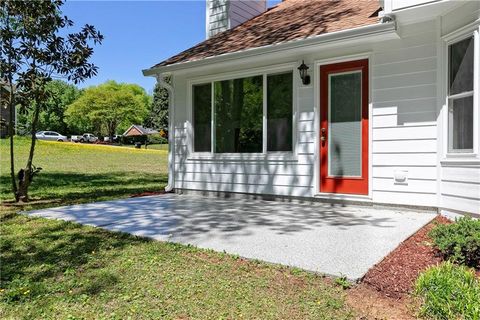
(343, 135)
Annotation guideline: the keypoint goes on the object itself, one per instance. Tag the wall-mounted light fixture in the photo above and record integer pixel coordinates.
(303, 69)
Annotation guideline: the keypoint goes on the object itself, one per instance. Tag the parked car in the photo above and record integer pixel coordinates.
(116, 138)
(50, 136)
(86, 137)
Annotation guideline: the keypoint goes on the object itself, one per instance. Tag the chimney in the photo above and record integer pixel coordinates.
(226, 14)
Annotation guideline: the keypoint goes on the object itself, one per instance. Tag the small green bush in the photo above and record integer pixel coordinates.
(448, 291)
(459, 241)
(157, 139)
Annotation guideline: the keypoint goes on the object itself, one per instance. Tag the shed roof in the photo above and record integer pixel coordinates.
(289, 20)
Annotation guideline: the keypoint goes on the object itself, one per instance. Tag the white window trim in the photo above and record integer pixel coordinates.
(264, 155)
(470, 30)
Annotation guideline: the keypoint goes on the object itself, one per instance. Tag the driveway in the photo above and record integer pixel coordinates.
(331, 239)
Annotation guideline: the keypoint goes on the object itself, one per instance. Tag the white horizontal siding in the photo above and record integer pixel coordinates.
(404, 117)
(405, 159)
(460, 204)
(460, 188)
(405, 146)
(414, 79)
(413, 185)
(405, 198)
(413, 172)
(405, 133)
(247, 188)
(253, 178)
(461, 174)
(252, 167)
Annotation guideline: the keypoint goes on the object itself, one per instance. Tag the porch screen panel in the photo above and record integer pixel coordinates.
(279, 112)
(345, 115)
(239, 115)
(202, 118)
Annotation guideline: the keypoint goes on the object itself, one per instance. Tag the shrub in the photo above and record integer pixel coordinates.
(459, 241)
(448, 291)
(157, 139)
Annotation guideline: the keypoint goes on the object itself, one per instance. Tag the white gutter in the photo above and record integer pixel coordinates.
(323, 39)
(171, 132)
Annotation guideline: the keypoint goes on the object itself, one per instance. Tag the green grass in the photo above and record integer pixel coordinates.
(150, 146)
(53, 269)
(75, 173)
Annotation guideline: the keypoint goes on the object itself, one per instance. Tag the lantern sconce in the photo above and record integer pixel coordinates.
(303, 69)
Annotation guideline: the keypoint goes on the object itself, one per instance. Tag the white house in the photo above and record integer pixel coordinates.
(386, 113)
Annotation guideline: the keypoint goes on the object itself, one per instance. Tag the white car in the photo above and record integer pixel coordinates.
(86, 137)
(50, 136)
(116, 138)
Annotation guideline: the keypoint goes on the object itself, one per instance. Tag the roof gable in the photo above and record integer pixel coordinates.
(289, 20)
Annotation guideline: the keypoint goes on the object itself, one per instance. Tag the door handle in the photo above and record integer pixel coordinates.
(323, 134)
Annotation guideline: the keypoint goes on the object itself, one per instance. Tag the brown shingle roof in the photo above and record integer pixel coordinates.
(289, 20)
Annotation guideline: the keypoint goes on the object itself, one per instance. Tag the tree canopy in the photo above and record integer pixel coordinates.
(35, 48)
(108, 108)
(158, 110)
(52, 117)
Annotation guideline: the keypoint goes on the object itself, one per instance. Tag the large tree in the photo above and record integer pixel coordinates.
(60, 95)
(158, 110)
(35, 48)
(109, 107)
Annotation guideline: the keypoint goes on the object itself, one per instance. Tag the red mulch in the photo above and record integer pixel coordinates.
(147, 193)
(395, 275)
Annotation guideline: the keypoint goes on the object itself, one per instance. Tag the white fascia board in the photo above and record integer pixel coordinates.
(339, 37)
(424, 11)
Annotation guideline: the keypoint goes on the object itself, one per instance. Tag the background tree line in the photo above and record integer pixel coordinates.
(107, 109)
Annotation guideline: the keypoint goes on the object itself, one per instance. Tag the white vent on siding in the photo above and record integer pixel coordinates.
(227, 14)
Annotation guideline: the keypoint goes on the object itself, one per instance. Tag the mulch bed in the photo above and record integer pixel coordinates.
(147, 193)
(395, 275)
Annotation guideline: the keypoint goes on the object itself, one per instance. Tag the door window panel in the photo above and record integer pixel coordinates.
(345, 115)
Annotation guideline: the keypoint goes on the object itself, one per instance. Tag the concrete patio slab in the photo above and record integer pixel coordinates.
(331, 239)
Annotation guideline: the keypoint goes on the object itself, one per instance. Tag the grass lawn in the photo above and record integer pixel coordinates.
(54, 269)
(75, 173)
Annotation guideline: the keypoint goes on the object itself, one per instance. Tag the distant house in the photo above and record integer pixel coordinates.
(347, 100)
(4, 109)
(136, 130)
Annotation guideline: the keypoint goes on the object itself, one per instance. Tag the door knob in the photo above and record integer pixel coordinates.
(323, 135)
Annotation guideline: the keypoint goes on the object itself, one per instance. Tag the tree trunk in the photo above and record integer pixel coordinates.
(11, 125)
(25, 179)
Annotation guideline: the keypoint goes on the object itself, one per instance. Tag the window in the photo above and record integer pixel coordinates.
(202, 117)
(460, 96)
(238, 115)
(279, 112)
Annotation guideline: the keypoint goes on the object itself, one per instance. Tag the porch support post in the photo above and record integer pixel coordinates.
(171, 131)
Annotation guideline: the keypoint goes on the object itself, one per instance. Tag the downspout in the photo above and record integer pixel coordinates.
(171, 132)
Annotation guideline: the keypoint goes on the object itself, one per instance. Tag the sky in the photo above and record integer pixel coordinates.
(138, 34)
